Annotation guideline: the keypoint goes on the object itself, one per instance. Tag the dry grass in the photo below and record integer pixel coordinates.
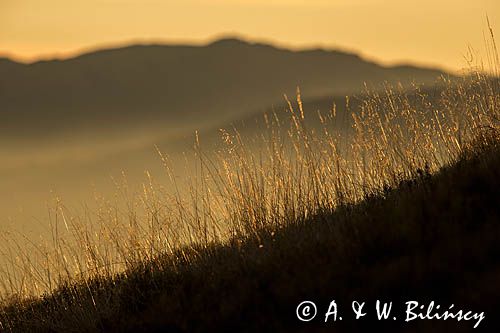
(251, 187)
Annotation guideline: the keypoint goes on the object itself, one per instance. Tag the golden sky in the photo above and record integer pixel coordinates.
(431, 32)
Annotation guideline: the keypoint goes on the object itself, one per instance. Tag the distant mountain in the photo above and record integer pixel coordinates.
(175, 86)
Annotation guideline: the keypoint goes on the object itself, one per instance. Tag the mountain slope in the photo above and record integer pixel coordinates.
(174, 86)
(433, 238)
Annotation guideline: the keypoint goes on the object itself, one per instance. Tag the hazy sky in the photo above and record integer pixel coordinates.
(434, 32)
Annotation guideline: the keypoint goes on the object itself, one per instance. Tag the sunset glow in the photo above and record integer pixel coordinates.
(427, 32)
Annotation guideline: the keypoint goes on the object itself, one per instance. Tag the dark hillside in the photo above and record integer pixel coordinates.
(433, 238)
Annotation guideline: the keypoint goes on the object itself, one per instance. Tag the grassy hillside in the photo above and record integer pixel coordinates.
(404, 209)
(432, 237)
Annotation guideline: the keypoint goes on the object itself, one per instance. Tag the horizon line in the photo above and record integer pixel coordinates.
(99, 47)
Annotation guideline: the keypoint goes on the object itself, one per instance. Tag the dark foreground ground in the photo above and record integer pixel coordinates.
(432, 239)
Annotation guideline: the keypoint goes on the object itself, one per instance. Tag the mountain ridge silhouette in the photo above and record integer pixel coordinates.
(177, 86)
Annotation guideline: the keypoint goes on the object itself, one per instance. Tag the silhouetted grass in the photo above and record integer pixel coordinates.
(403, 205)
(433, 237)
